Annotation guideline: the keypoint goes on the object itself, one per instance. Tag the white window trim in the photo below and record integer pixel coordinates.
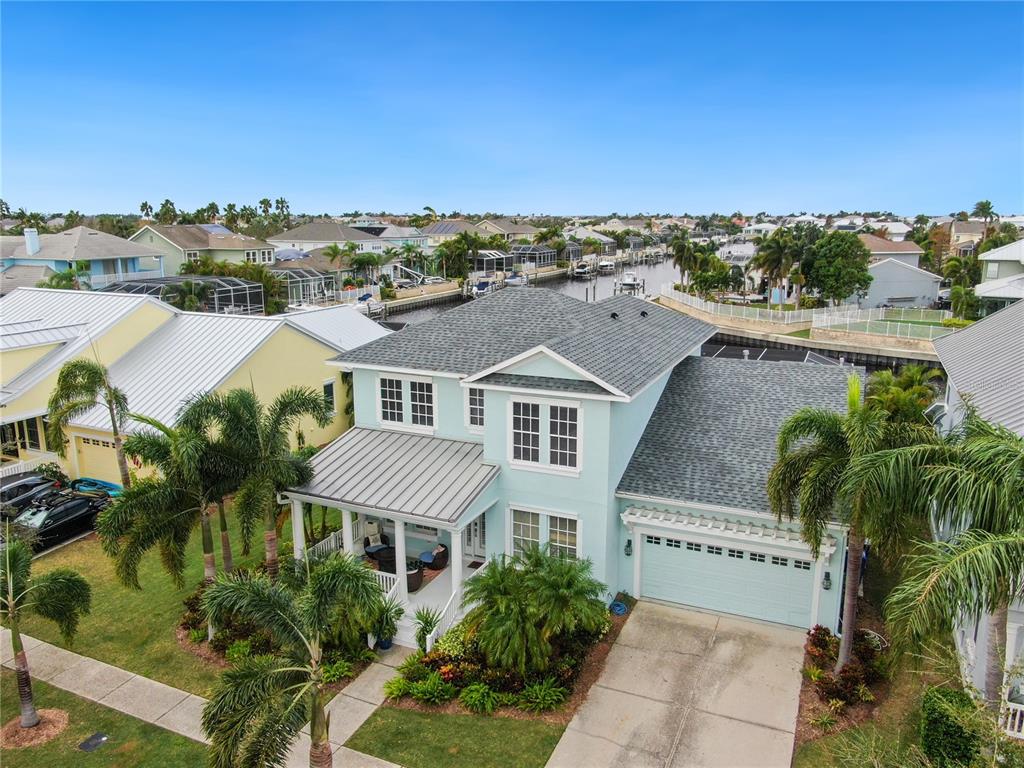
(192, 257)
(544, 466)
(545, 530)
(472, 428)
(403, 425)
(334, 384)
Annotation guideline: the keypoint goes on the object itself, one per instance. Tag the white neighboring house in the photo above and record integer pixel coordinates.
(512, 231)
(585, 233)
(895, 283)
(986, 362)
(881, 249)
(324, 232)
(739, 254)
(761, 229)
(1006, 261)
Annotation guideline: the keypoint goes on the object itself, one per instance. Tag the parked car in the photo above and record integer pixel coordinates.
(20, 490)
(61, 515)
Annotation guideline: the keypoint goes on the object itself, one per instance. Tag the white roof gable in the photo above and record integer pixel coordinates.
(343, 327)
(1012, 252)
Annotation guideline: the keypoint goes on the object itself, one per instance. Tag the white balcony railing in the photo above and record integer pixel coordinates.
(325, 547)
(26, 465)
(96, 282)
(1013, 717)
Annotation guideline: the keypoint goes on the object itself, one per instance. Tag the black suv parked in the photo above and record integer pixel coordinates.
(18, 491)
(61, 515)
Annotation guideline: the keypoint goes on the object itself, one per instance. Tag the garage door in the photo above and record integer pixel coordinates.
(727, 578)
(96, 458)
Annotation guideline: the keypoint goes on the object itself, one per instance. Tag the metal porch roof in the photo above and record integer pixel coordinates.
(417, 476)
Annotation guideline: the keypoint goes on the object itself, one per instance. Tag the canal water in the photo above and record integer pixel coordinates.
(652, 276)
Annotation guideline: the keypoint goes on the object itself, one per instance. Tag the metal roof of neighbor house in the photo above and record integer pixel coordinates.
(196, 351)
(44, 308)
(203, 236)
(452, 227)
(321, 231)
(417, 476)
(76, 244)
(626, 352)
(18, 336)
(711, 438)
(1012, 252)
(1011, 287)
(985, 362)
(880, 245)
(510, 227)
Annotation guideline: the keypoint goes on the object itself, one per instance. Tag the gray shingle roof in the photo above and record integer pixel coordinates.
(76, 244)
(321, 231)
(627, 352)
(201, 236)
(711, 439)
(550, 383)
(986, 362)
(452, 227)
(420, 476)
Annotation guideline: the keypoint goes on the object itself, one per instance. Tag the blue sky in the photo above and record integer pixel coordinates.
(519, 108)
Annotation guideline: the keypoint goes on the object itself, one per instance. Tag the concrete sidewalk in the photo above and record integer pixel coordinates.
(181, 712)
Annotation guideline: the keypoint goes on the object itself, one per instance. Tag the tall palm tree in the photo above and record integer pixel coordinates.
(265, 206)
(684, 257)
(188, 296)
(74, 278)
(412, 254)
(774, 258)
(81, 386)
(259, 706)
(983, 210)
(972, 479)
(163, 511)
(809, 480)
(258, 436)
(61, 596)
(146, 209)
(904, 396)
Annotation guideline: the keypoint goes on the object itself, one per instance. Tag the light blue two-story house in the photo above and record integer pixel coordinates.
(529, 417)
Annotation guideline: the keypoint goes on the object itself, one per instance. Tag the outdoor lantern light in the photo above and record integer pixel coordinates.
(629, 547)
(827, 581)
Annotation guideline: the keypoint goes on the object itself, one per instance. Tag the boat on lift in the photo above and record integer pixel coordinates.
(606, 267)
(630, 283)
(584, 270)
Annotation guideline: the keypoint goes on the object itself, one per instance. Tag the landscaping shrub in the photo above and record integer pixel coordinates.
(813, 673)
(865, 646)
(501, 679)
(432, 690)
(809, 302)
(237, 651)
(221, 641)
(956, 322)
(479, 698)
(192, 620)
(412, 669)
(822, 646)
(507, 699)
(336, 670)
(945, 738)
(426, 621)
(453, 644)
(396, 688)
(197, 635)
(542, 696)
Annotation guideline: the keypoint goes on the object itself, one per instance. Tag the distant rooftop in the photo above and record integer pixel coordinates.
(76, 244)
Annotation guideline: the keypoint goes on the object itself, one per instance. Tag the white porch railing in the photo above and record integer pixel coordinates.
(388, 583)
(1014, 719)
(26, 465)
(325, 547)
(102, 281)
(451, 612)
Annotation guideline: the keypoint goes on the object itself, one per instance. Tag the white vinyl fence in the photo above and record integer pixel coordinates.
(751, 313)
(899, 323)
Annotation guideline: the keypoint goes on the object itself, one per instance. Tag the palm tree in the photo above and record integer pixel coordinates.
(972, 480)
(368, 262)
(258, 436)
(797, 279)
(907, 395)
(774, 258)
(71, 279)
(146, 210)
(60, 595)
(265, 206)
(983, 210)
(519, 604)
(412, 254)
(259, 706)
(81, 386)
(809, 479)
(684, 257)
(162, 511)
(430, 212)
(188, 296)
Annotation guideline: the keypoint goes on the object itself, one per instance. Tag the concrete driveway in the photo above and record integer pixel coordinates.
(689, 690)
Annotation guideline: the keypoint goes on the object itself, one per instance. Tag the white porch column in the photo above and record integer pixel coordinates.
(361, 528)
(298, 530)
(346, 530)
(400, 566)
(455, 561)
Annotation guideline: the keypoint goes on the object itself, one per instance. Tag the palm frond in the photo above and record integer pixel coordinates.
(62, 596)
(258, 600)
(343, 581)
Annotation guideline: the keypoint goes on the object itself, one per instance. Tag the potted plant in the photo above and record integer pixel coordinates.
(385, 627)
(426, 620)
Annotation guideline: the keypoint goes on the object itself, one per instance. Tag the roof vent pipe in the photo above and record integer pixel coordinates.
(643, 313)
(614, 315)
(31, 242)
(746, 354)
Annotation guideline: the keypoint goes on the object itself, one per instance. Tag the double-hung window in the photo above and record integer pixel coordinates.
(526, 431)
(329, 395)
(563, 424)
(251, 257)
(192, 256)
(391, 400)
(525, 530)
(562, 536)
(475, 408)
(421, 396)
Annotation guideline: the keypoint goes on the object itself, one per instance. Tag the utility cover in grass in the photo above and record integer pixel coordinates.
(93, 743)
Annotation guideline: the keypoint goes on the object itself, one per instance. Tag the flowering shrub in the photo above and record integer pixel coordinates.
(822, 646)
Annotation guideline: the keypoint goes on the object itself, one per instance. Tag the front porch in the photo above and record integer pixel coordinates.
(413, 506)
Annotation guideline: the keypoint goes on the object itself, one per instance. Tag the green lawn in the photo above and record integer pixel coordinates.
(131, 742)
(428, 740)
(135, 630)
(804, 334)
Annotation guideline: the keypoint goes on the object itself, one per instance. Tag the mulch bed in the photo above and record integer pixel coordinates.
(852, 715)
(52, 723)
(589, 673)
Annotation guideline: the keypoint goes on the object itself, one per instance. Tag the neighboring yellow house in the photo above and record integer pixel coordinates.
(160, 357)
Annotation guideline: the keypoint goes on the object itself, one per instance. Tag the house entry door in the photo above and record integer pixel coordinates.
(474, 543)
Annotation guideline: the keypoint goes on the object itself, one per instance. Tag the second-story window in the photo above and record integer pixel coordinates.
(526, 431)
(192, 256)
(421, 395)
(476, 407)
(329, 395)
(563, 427)
(250, 256)
(391, 400)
